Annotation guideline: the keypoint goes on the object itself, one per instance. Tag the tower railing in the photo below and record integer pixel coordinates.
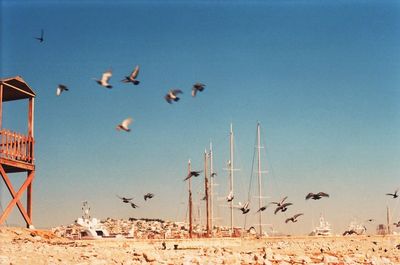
(16, 146)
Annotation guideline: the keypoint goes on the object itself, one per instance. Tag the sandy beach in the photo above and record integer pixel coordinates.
(24, 246)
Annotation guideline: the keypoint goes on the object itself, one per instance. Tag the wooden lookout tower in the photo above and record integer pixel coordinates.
(17, 149)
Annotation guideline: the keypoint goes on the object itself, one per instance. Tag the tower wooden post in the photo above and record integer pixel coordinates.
(190, 202)
(206, 194)
(1, 105)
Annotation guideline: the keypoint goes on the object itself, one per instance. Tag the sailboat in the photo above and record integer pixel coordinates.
(208, 184)
(246, 205)
(260, 196)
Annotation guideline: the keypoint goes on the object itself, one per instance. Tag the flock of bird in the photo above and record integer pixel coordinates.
(173, 96)
(129, 200)
(282, 206)
(104, 81)
(170, 97)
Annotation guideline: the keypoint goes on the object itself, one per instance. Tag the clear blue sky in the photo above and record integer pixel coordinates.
(322, 77)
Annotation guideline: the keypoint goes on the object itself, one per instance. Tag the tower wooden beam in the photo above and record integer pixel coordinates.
(16, 197)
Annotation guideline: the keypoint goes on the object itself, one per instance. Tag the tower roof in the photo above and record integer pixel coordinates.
(15, 88)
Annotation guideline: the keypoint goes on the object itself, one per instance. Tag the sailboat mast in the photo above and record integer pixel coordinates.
(259, 177)
(389, 231)
(211, 188)
(231, 174)
(206, 193)
(190, 202)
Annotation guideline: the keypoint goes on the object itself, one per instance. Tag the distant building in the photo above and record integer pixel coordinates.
(381, 229)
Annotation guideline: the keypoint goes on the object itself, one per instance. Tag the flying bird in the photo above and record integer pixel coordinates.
(193, 173)
(134, 205)
(282, 207)
(395, 195)
(40, 39)
(60, 89)
(316, 196)
(263, 208)
(280, 202)
(397, 224)
(124, 125)
(244, 208)
(104, 79)
(124, 199)
(148, 196)
(244, 211)
(132, 78)
(230, 196)
(293, 218)
(197, 87)
(173, 95)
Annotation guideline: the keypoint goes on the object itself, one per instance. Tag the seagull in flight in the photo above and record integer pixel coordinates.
(193, 173)
(60, 89)
(104, 79)
(316, 196)
(124, 125)
(395, 195)
(397, 224)
(173, 95)
(293, 218)
(40, 39)
(132, 78)
(124, 199)
(148, 196)
(197, 87)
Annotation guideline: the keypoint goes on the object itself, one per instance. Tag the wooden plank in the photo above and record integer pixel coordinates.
(12, 144)
(31, 123)
(18, 164)
(2, 148)
(1, 106)
(16, 146)
(16, 197)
